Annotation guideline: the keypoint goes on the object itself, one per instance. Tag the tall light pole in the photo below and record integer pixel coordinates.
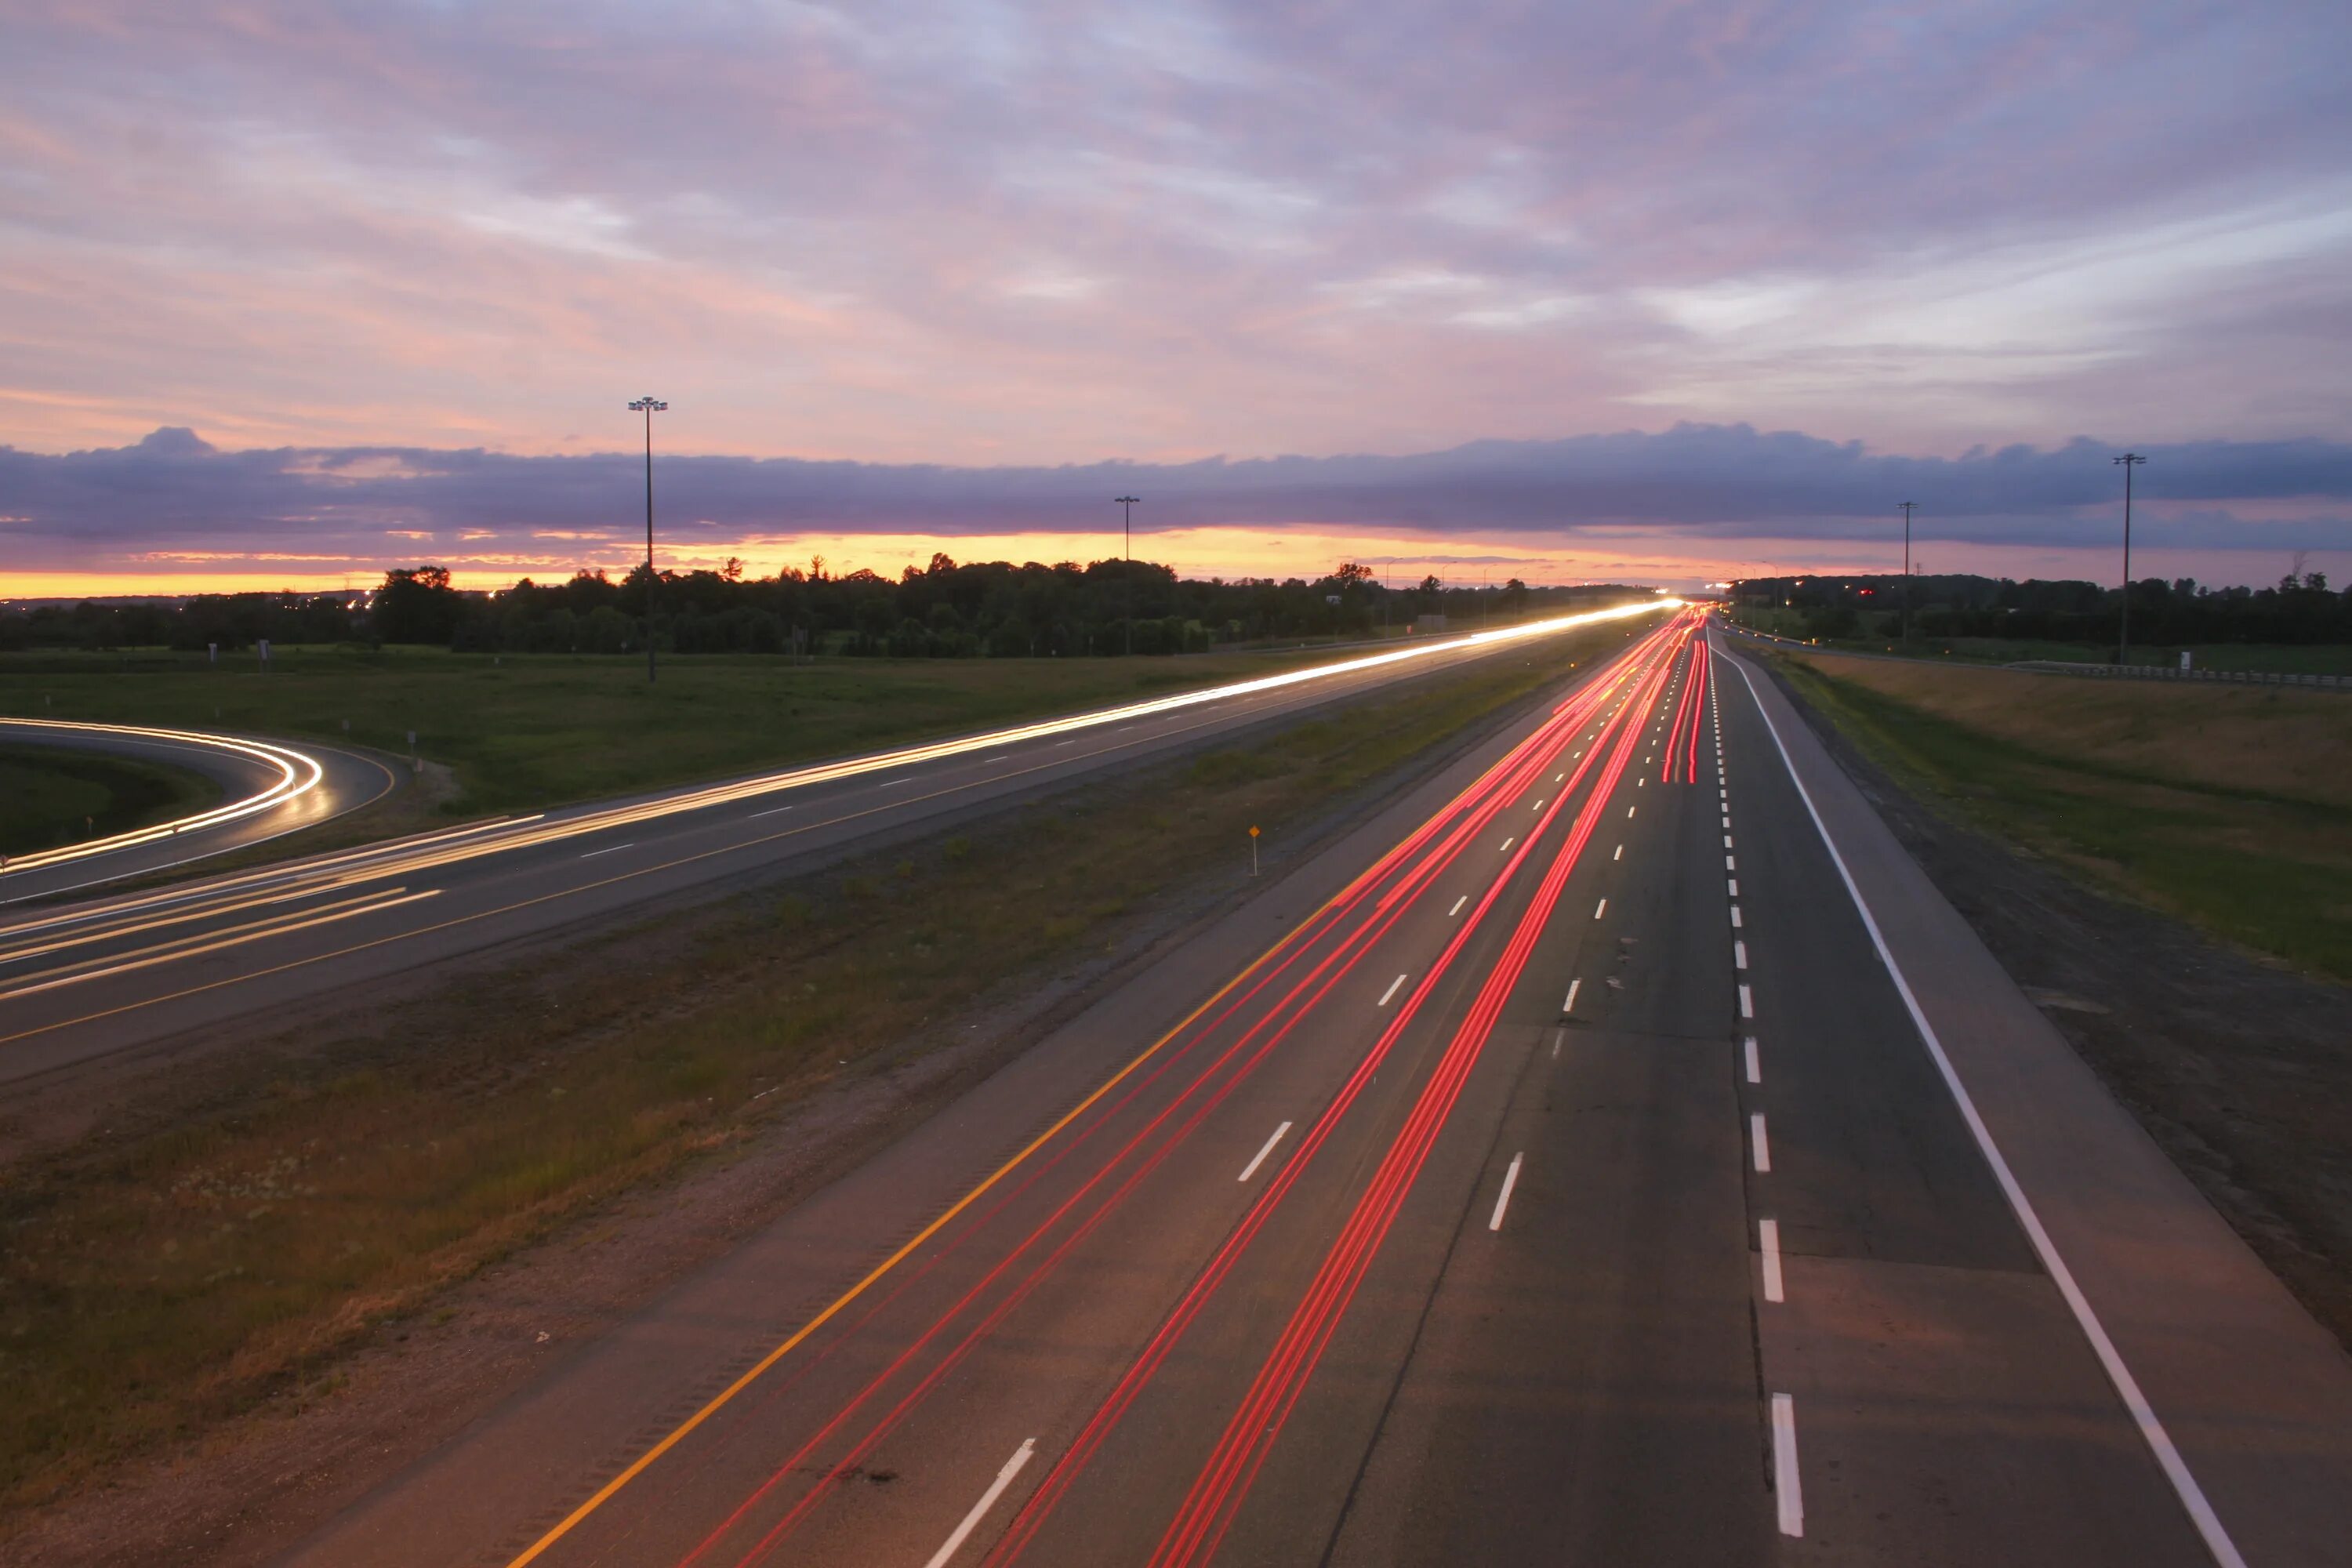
(1127, 580)
(2130, 460)
(1907, 508)
(649, 407)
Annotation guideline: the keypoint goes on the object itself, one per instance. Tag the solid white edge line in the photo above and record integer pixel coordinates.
(987, 1500)
(1251, 1169)
(1390, 991)
(1569, 1006)
(1503, 1200)
(1767, 1248)
(1758, 1143)
(1786, 1489)
(1754, 1068)
(2176, 1469)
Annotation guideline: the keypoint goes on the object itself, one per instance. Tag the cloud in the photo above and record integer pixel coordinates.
(1693, 490)
(958, 231)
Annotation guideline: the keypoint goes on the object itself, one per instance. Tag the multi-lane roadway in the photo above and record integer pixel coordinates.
(108, 975)
(1614, 1151)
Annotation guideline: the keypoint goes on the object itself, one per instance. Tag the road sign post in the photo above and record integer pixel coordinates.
(1253, 851)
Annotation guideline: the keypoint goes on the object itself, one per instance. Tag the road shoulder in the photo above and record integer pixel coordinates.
(2254, 1392)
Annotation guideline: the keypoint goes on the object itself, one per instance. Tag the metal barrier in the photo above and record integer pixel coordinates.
(2165, 672)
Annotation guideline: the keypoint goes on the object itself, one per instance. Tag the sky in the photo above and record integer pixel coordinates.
(291, 292)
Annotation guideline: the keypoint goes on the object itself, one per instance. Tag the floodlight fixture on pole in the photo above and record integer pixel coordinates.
(2129, 460)
(1907, 507)
(649, 407)
(1127, 578)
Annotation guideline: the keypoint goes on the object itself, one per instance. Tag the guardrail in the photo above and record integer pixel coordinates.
(2165, 672)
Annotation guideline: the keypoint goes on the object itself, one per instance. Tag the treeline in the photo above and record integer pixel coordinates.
(946, 610)
(2301, 608)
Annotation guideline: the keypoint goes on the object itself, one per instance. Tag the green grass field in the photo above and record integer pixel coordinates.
(521, 732)
(51, 796)
(2231, 807)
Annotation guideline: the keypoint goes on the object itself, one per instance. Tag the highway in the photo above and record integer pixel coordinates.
(109, 975)
(1614, 1151)
(269, 789)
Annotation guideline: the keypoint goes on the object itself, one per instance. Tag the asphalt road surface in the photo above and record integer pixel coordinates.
(269, 789)
(112, 975)
(1609, 1153)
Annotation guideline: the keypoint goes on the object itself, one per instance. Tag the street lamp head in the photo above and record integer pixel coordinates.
(2129, 458)
(643, 405)
(1126, 501)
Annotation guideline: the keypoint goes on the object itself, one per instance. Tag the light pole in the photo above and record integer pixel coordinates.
(2130, 460)
(1907, 507)
(649, 407)
(1127, 579)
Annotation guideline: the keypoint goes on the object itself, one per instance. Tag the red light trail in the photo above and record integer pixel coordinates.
(1401, 876)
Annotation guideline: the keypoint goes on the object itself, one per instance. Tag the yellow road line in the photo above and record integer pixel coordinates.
(638, 1466)
(717, 1401)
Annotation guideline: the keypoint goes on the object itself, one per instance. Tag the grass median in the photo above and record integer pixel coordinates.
(2229, 807)
(50, 795)
(159, 1280)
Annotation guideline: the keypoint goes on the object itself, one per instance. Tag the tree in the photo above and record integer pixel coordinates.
(416, 605)
(1351, 574)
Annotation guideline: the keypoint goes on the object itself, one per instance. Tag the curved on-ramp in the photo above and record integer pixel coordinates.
(270, 788)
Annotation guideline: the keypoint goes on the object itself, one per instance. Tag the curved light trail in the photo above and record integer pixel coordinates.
(296, 774)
